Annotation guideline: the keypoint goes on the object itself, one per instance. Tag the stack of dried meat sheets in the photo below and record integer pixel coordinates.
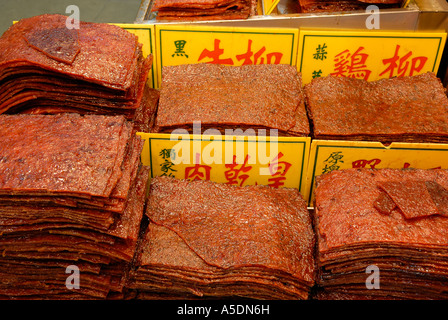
(311, 6)
(72, 193)
(386, 223)
(204, 9)
(145, 116)
(210, 240)
(219, 97)
(401, 109)
(45, 67)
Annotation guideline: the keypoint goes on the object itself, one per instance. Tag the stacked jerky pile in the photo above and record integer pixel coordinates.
(206, 239)
(406, 109)
(311, 6)
(47, 68)
(72, 192)
(394, 220)
(204, 9)
(221, 97)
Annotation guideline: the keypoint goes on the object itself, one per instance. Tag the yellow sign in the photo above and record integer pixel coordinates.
(369, 55)
(145, 34)
(326, 156)
(269, 6)
(185, 44)
(239, 160)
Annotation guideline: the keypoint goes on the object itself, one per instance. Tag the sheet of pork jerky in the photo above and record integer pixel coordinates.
(17, 210)
(316, 6)
(203, 9)
(382, 1)
(91, 165)
(403, 109)
(217, 240)
(45, 67)
(264, 96)
(164, 256)
(117, 244)
(353, 233)
(145, 116)
(62, 154)
(103, 258)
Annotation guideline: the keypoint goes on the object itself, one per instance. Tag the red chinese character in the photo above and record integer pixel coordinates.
(408, 165)
(198, 171)
(215, 54)
(277, 56)
(248, 55)
(233, 174)
(276, 182)
(258, 59)
(364, 163)
(351, 65)
(399, 66)
(278, 170)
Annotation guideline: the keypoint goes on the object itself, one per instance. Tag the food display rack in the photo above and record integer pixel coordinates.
(418, 15)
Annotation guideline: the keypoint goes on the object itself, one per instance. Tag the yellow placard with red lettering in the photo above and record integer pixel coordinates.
(369, 55)
(326, 156)
(187, 44)
(146, 37)
(239, 160)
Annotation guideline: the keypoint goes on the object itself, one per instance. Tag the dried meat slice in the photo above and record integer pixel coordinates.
(46, 68)
(239, 247)
(107, 53)
(412, 197)
(106, 253)
(382, 1)
(144, 119)
(76, 196)
(353, 234)
(439, 195)
(60, 43)
(202, 9)
(382, 228)
(205, 240)
(254, 97)
(308, 6)
(73, 155)
(343, 108)
(384, 203)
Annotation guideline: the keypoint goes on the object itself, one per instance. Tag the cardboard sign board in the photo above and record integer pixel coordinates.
(146, 37)
(240, 160)
(186, 44)
(326, 156)
(369, 55)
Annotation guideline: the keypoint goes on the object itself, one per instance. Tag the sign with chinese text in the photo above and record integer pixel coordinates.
(326, 156)
(145, 34)
(369, 55)
(184, 44)
(238, 160)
